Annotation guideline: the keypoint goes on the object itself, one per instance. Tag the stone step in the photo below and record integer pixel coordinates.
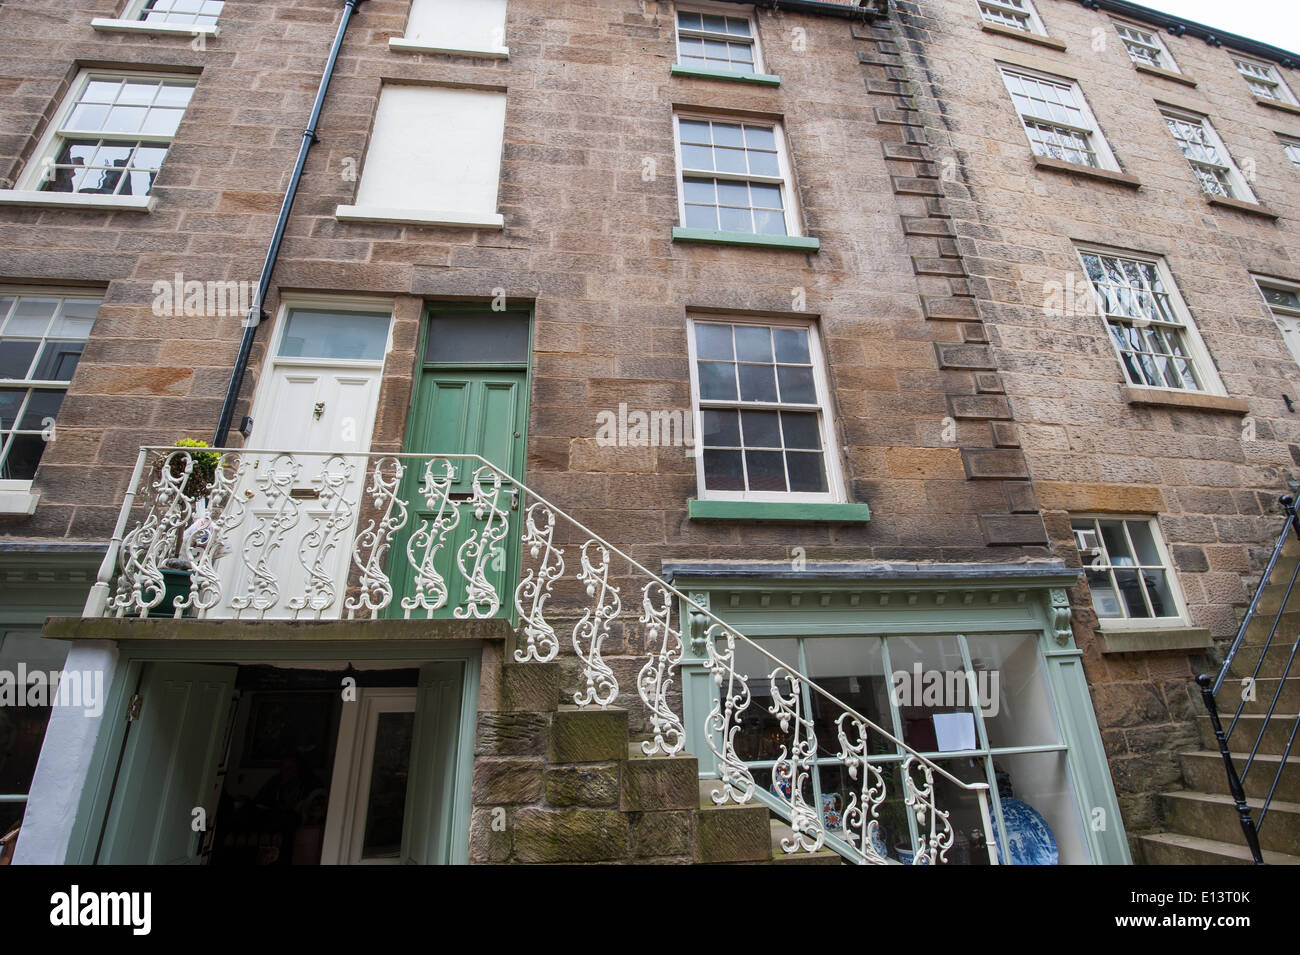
(1172, 848)
(659, 783)
(1276, 732)
(1210, 816)
(1203, 772)
(1261, 624)
(781, 831)
(732, 833)
(530, 687)
(1275, 662)
(588, 735)
(1265, 689)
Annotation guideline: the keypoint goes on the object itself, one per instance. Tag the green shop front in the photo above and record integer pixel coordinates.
(972, 665)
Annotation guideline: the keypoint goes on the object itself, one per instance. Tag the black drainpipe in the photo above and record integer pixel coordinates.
(255, 313)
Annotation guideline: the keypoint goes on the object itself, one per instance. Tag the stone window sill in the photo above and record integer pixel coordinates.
(17, 497)
(429, 217)
(1023, 35)
(802, 243)
(1184, 399)
(758, 79)
(1277, 104)
(74, 200)
(400, 44)
(1240, 205)
(1165, 74)
(1154, 639)
(802, 512)
(107, 25)
(1076, 169)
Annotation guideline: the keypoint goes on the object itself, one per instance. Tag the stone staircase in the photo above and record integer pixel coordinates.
(1203, 827)
(557, 784)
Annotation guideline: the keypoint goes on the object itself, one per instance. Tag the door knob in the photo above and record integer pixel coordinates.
(318, 410)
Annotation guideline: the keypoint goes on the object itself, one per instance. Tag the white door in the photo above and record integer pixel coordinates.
(301, 491)
(372, 765)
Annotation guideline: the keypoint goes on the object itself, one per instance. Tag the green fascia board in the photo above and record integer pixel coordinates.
(761, 79)
(830, 513)
(801, 243)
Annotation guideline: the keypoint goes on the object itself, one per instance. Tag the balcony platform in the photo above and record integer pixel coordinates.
(187, 630)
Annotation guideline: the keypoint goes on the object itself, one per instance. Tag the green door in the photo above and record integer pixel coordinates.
(169, 765)
(431, 790)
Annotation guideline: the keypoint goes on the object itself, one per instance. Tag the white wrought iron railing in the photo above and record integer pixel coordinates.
(254, 534)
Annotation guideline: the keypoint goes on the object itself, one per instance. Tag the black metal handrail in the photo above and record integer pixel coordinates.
(1210, 687)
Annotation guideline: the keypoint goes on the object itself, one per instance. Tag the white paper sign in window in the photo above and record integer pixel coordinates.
(434, 158)
(465, 27)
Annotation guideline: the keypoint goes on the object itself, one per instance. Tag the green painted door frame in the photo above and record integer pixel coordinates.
(465, 407)
(445, 661)
(785, 608)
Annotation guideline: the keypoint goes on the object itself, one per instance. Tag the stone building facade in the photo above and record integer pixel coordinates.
(542, 171)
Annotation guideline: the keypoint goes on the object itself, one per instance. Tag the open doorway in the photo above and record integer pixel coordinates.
(287, 764)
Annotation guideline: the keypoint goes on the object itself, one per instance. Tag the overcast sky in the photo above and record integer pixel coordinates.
(1272, 21)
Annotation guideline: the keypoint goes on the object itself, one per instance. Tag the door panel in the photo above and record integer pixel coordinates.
(435, 750)
(169, 765)
(306, 409)
(477, 412)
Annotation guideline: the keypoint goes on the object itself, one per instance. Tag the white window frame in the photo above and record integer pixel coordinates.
(1096, 139)
(1157, 43)
(16, 496)
(28, 190)
(1274, 79)
(1012, 11)
(835, 486)
(785, 181)
(736, 12)
(1238, 187)
(1197, 352)
(132, 21)
(1287, 318)
(1291, 147)
(1125, 622)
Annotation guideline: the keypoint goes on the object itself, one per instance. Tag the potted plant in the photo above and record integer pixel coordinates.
(177, 569)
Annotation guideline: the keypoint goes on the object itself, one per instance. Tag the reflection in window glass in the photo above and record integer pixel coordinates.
(1001, 731)
(760, 411)
(41, 340)
(114, 135)
(356, 336)
(471, 338)
(386, 807)
(1127, 572)
(22, 728)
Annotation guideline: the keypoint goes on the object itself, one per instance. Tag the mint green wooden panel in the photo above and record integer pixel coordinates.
(481, 413)
(169, 765)
(427, 833)
(1103, 827)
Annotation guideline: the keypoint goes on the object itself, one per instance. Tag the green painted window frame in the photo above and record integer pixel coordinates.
(759, 79)
(93, 806)
(798, 243)
(826, 512)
